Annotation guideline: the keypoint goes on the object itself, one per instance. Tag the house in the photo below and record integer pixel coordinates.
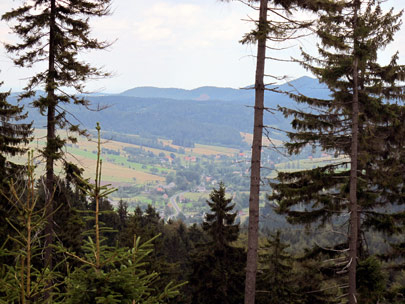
(190, 158)
(169, 186)
(201, 189)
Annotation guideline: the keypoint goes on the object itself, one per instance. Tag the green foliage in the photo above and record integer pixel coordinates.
(351, 37)
(56, 32)
(21, 281)
(313, 287)
(13, 138)
(371, 281)
(275, 275)
(122, 277)
(218, 267)
(220, 224)
(67, 25)
(321, 195)
(112, 275)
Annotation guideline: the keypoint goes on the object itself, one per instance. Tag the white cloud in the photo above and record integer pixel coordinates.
(176, 43)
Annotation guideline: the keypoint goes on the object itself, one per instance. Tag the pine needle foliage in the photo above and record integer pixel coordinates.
(276, 278)
(21, 281)
(14, 136)
(109, 274)
(350, 37)
(220, 224)
(55, 32)
(218, 266)
(275, 24)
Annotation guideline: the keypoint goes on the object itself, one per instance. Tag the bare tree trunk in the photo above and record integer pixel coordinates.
(353, 236)
(251, 265)
(50, 145)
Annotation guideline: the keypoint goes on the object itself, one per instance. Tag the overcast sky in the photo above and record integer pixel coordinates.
(175, 43)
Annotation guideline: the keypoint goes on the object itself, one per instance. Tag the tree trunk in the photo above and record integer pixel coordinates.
(251, 265)
(353, 236)
(50, 144)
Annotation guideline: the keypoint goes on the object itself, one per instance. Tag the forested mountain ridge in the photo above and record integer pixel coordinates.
(305, 85)
(207, 115)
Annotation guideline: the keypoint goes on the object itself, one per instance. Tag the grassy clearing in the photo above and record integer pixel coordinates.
(195, 196)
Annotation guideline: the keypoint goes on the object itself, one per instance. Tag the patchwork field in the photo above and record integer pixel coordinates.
(117, 169)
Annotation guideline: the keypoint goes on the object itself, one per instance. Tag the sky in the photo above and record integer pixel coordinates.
(176, 43)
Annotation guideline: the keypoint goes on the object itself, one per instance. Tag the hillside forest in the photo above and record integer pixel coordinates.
(281, 192)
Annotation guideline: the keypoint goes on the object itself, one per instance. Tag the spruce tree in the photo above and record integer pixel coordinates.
(276, 280)
(14, 136)
(275, 24)
(55, 32)
(21, 280)
(218, 267)
(359, 121)
(108, 274)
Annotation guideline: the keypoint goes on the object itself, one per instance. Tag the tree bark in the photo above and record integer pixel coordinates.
(50, 144)
(353, 236)
(253, 230)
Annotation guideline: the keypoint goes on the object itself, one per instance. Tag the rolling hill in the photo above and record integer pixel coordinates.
(207, 115)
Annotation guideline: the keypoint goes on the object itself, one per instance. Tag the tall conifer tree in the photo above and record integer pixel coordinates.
(55, 32)
(357, 122)
(278, 27)
(276, 278)
(218, 267)
(14, 136)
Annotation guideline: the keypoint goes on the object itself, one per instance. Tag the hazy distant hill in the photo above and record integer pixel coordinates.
(206, 115)
(304, 85)
(203, 93)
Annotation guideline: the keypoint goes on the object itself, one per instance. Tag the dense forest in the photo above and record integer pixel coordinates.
(331, 233)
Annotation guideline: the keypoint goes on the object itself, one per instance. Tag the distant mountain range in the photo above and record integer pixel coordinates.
(305, 85)
(206, 115)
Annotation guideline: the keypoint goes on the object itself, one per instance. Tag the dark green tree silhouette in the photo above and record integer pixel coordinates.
(294, 280)
(218, 267)
(276, 24)
(21, 280)
(358, 122)
(14, 136)
(276, 279)
(108, 274)
(55, 32)
(220, 224)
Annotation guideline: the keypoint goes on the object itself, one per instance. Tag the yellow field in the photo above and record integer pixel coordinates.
(213, 150)
(111, 172)
(83, 153)
(114, 173)
(202, 149)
